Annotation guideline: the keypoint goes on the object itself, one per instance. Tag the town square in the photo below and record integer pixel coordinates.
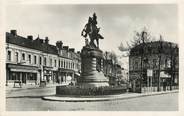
(115, 57)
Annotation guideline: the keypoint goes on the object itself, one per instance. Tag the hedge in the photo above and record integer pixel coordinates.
(75, 90)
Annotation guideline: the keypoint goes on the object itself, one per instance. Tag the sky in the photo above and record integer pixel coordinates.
(118, 22)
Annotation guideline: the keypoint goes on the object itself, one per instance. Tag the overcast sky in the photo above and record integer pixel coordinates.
(117, 22)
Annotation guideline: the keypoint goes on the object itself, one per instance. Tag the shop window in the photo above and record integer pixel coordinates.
(23, 56)
(29, 59)
(9, 56)
(31, 76)
(35, 60)
(14, 76)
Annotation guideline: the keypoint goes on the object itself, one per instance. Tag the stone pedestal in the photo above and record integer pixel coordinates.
(91, 69)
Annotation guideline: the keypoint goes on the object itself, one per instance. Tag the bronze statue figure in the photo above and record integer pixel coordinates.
(92, 31)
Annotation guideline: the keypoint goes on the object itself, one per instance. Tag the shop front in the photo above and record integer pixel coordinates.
(66, 76)
(24, 74)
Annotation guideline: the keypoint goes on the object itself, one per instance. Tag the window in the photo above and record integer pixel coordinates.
(31, 76)
(45, 61)
(154, 63)
(35, 61)
(16, 56)
(136, 65)
(59, 63)
(55, 62)
(167, 63)
(66, 64)
(73, 66)
(50, 61)
(23, 56)
(62, 63)
(9, 56)
(40, 60)
(29, 58)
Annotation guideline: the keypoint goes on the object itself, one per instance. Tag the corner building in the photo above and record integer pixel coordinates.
(32, 61)
(154, 66)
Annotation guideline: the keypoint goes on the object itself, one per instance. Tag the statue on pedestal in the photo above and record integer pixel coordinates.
(92, 57)
(92, 31)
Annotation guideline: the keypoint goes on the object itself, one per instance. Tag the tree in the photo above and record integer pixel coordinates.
(143, 36)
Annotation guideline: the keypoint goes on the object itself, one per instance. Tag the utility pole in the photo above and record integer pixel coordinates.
(143, 36)
(171, 56)
(159, 50)
(106, 63)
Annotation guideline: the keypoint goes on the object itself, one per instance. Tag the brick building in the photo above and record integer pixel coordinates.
(154, 66)
(34, 60)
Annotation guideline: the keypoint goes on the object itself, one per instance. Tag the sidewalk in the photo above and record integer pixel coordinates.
(31, 91)
(11, 87)
(104, 98)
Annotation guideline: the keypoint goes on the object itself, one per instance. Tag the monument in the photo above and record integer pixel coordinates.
(92, 81)
(92, 57)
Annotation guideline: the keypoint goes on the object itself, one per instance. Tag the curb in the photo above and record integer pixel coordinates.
(31, 88)
(34, 96)
(79, 99)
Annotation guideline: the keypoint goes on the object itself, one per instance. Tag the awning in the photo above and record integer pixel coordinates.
(66, 70)
(24, 70)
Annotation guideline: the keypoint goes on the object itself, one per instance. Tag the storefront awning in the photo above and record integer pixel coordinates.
(24, 70)
(66, 70)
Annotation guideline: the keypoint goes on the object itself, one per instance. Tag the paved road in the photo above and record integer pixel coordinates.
(36, 92)
(164, 102)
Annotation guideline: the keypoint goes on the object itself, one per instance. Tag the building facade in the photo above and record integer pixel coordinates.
(112, 70)
(154, 66)
(33, 61)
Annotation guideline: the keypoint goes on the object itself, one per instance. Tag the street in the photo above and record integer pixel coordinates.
(33, 102)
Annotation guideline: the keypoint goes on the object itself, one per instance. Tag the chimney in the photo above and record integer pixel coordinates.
(30, 37)
(59, 44)
(46, 40)
(13, 32)
(71, 49)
